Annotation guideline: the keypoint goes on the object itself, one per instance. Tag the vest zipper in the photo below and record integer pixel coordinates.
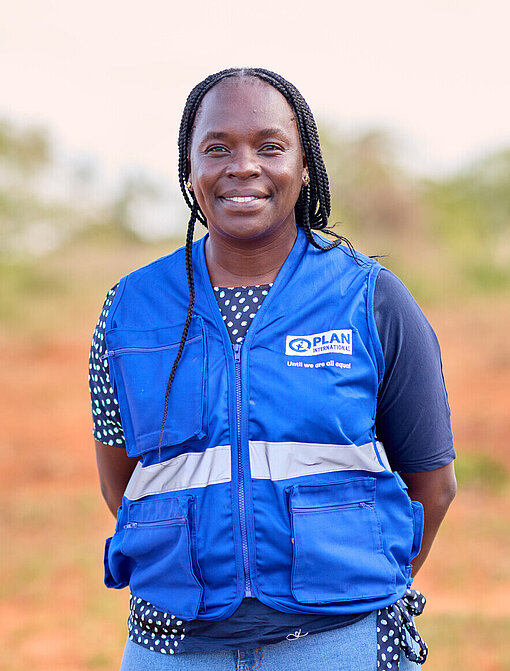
(136, 350)
(242, 505)
(158, 523)
(339, 506)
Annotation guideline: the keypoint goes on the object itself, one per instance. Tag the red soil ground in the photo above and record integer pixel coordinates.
(48, 468)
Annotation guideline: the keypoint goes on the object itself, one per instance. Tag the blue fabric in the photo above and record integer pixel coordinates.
(413, 415)
(141, 360)
(407, 341)
(252, 625)
(404, 421)
(352, 648)
(240, 530)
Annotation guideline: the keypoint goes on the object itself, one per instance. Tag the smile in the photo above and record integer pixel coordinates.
(241, 199)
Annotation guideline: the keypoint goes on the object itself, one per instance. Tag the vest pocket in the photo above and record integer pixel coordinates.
(337, 543)
(140, 363)
(156, 542)
(418, 523)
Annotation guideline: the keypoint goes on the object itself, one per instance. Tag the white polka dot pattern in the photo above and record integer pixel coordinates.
(235, 302)
(105, 409)
(393, 623)
(154, 629)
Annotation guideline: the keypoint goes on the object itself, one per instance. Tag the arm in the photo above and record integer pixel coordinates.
(435, 490)
(113, 464)
(115, 469)
(413, 415)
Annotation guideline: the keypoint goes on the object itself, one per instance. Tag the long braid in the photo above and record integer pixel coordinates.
(191, 287)
(313, 205)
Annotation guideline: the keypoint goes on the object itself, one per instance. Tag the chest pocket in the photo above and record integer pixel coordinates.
(140, 363)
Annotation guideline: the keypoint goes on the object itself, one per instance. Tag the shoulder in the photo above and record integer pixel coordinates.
(343, 267)
(157, 291)
(392, 294)
(166, 264)
(397, 314)
(344, 254)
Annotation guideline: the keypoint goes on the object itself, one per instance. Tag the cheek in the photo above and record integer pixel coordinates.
(199, 170)
(292, 182)
(203, 182)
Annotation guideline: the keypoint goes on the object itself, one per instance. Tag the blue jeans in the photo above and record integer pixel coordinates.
(351, 648)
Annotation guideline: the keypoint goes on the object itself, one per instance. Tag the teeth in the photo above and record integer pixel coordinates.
(241, 199)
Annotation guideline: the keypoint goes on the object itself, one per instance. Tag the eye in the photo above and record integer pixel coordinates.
(216, 149)
(271, 147)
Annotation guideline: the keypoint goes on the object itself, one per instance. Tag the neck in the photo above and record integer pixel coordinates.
(234, 262)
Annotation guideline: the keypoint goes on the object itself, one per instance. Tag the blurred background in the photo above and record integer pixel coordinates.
(413, 105)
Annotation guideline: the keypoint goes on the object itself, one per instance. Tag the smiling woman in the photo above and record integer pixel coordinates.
(270, 415)
(247, 174)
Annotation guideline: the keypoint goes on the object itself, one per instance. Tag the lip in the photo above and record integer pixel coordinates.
(250, 205)
(242, 202)
(243, 194)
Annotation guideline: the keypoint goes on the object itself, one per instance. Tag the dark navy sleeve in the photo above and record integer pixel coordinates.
(105, 409)
(413, 415)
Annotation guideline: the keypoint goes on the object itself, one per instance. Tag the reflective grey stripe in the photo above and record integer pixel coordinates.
(192, 469)
(279, 461)
(382, 455)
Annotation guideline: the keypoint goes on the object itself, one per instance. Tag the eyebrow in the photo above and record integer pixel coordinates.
(214, 135)
(268, 132)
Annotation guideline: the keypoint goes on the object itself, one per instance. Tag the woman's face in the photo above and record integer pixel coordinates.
(246, 160)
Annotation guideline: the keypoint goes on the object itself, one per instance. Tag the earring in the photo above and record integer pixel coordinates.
(306, 179)
(189, 185)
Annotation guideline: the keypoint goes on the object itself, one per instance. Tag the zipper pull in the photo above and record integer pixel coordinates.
(109, 352)
(237, 351)
(130, 525)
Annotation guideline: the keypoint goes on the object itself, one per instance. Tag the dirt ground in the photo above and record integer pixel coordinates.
(54, 611)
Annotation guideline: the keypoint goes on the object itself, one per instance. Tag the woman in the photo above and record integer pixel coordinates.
(280, 401)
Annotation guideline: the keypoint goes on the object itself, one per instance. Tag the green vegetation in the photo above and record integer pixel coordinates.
(480, 471)
(446, 238)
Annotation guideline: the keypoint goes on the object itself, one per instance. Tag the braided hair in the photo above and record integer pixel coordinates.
(313, 205)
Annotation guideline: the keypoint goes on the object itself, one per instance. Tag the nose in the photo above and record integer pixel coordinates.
(243, 164)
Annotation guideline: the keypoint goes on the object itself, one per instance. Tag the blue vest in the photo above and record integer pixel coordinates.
(270, 481)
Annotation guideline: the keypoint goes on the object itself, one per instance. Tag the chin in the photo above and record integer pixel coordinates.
(243, 230)
(247, 228)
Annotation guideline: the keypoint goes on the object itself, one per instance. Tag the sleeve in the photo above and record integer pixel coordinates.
(107, 426)
(413, 415)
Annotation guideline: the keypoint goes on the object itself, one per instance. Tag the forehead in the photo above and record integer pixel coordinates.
(243, 105)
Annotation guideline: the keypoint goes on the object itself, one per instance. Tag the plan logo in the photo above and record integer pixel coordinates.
(339, 341)
(299, 345)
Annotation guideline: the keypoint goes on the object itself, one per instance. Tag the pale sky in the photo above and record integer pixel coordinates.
(109, 78)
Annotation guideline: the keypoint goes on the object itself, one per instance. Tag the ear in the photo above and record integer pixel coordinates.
(305, 175)
(189, 181)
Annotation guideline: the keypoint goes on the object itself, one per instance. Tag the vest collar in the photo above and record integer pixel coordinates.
(287, 270)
